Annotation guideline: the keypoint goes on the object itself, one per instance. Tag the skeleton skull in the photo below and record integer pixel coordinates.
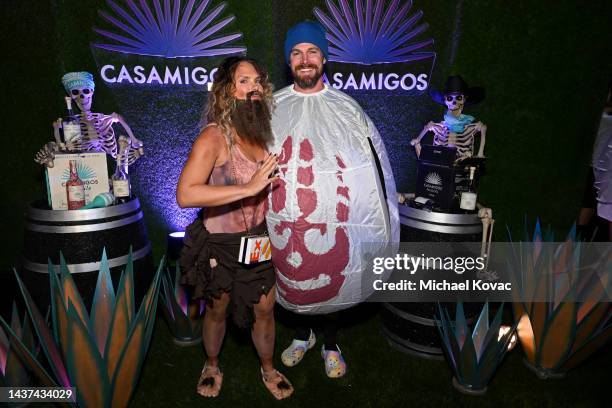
(82, 96)
(455, 102)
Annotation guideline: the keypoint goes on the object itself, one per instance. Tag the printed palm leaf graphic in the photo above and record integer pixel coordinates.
(434, 178)
(83, 170)
(99, 353)
(183, 318)
(374, 34)
(148, 27)
(561, 333)
(473, 355)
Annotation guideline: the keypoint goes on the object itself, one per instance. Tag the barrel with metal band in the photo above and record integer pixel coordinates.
(411, 327)
(81, 236)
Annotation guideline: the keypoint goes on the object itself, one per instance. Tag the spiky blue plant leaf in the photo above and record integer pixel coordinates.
(373, 34)
(103, 304)
(461, 327)
(29, 359)
(168, 30)
(176, 308)
(45, 336)
(474, 362)
(480, 330)
(561, 332)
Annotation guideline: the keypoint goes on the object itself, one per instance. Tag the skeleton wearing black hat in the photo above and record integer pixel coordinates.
(457, 129)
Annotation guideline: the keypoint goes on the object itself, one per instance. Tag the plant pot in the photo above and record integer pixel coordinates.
(188, 341)
(468, 389)
(544, 373)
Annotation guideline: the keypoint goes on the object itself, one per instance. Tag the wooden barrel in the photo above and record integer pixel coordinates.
(411, 327)
(81, 235)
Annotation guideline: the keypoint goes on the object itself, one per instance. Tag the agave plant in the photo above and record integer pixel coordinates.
(14, 373)
(576, 317)
(473, 356)
(99, 354)
(374, 35)
(182, 315)
(168, 30)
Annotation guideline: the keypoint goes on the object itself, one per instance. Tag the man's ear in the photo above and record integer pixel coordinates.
(324, 60)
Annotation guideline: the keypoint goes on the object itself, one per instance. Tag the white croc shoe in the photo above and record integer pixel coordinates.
(335, 366)
(293, 354)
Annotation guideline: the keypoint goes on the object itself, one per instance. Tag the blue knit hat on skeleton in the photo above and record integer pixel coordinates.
(74, 80)
(306, 32)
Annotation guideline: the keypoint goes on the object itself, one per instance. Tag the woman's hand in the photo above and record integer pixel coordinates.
(264, 176)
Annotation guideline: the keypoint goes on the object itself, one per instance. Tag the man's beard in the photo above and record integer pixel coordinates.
(306, 82)
(251, 118)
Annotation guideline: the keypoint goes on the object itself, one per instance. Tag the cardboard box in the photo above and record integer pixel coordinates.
(92, 169)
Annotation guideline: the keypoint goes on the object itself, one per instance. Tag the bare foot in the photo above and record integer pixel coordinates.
(210, 381)
(278, 385)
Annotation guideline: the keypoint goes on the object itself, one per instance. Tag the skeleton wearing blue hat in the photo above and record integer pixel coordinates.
(97, 133)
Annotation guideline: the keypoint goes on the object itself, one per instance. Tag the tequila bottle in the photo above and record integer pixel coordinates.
(71, 126)
(75, 188)
(468, 198)
(121, 179)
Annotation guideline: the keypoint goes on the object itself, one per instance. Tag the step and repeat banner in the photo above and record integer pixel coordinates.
(157, 58)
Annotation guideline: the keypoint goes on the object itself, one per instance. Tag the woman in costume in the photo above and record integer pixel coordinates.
(228, 174)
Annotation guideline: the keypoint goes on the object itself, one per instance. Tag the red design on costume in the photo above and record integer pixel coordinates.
(305, 176)
(296, 261)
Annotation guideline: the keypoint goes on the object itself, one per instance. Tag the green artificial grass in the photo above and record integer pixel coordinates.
(378, 375)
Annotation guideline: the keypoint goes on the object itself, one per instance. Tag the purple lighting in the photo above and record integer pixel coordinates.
(168, 31)
(373, 35)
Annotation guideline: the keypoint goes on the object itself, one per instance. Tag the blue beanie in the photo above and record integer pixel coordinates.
(306, 32)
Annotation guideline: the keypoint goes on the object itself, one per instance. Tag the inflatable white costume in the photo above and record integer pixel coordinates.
(336, 193)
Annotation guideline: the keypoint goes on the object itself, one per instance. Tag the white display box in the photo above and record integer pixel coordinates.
(92, 169)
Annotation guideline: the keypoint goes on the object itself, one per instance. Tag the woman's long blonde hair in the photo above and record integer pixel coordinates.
(221, 100)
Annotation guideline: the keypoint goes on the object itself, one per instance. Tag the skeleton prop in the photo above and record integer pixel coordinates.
(456, 130)
(97, 132)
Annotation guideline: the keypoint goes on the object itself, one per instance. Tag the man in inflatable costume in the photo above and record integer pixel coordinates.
(336, 192)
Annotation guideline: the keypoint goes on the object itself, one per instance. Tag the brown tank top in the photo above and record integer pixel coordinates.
(228, 218)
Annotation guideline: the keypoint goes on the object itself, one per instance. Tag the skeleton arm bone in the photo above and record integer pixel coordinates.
(429, 127)
(482, 129)
(483, 133)
(135, 143)
(136, 146)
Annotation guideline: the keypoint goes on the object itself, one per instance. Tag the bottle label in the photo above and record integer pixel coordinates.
(121, 188)
(76, 197)
(72, 132)
(468, 201)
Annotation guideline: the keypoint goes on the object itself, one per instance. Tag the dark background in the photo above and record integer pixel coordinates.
(544, 64)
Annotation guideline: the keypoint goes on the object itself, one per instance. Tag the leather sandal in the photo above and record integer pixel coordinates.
(209, 384)
(278, 385)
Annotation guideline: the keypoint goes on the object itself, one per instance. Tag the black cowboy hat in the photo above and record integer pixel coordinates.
(456, 85)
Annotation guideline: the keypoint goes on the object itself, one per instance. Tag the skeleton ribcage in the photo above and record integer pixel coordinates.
(464, 142)
(98, 133)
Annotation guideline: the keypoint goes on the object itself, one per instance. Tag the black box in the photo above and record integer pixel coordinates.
(436, 183)
(440, 155)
